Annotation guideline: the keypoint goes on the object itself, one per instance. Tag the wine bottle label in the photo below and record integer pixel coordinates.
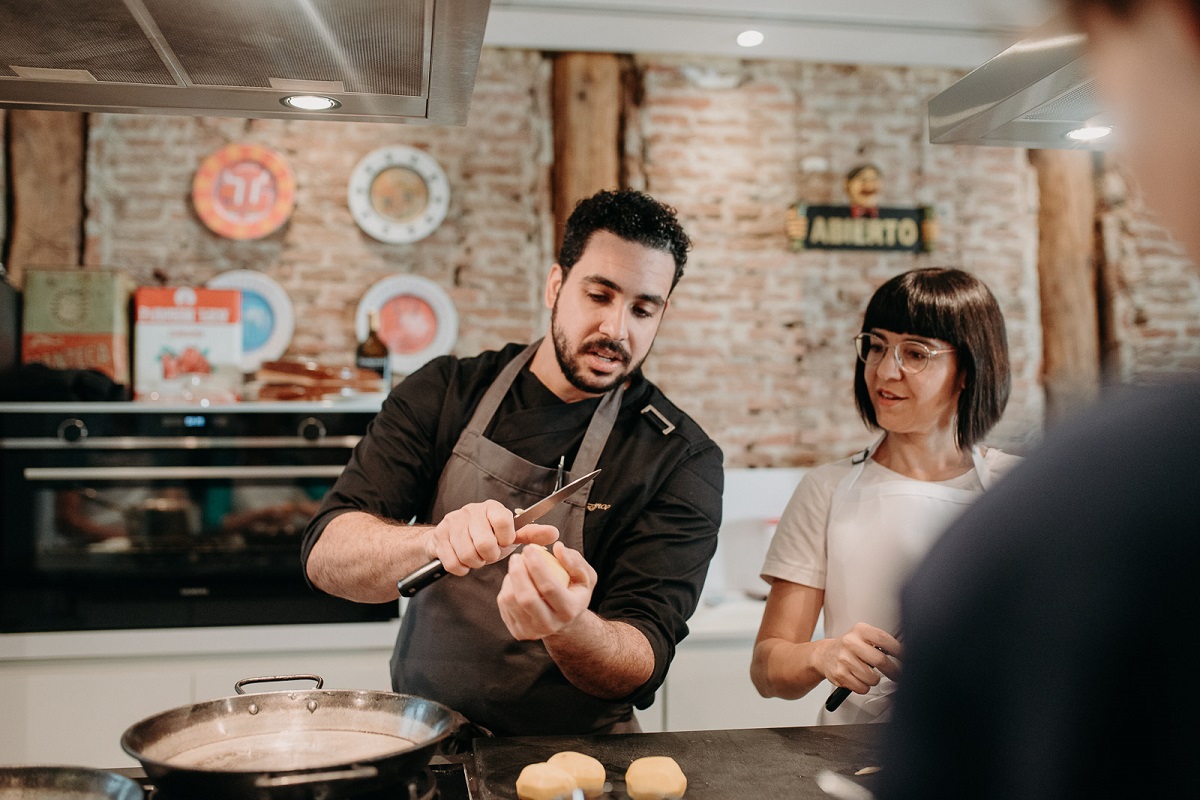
(376, 363)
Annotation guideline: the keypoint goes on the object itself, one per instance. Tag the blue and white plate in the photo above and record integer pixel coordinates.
(267, 317)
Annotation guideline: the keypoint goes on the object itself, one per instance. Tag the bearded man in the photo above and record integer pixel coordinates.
(462, 442)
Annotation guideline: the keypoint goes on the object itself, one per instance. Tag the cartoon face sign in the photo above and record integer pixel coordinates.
(862, 184)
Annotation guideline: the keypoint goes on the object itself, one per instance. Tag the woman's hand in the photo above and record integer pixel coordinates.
(857, 659)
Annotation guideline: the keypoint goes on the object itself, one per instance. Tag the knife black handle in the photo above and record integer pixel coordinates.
(415, 582)
(836, 697)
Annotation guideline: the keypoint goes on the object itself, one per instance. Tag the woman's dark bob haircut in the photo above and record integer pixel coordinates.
(958, 308)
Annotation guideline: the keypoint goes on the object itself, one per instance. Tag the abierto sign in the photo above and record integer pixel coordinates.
(911, 230)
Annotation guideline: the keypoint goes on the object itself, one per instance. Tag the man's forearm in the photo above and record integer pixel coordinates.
(361, 557)
(604, 658)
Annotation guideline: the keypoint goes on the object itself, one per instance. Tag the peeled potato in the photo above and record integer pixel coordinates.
(587, 771)
(655, 778)
(560, 573)
(544, 781)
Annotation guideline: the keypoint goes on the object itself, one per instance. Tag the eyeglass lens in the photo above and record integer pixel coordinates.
(913, 356)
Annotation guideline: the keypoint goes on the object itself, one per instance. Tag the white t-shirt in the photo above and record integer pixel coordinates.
(798, 549)
(861, 553)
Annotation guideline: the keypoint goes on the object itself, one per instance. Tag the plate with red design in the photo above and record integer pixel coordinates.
(244, 191)
(417, 320)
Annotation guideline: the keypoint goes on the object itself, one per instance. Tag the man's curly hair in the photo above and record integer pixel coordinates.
(633, 216)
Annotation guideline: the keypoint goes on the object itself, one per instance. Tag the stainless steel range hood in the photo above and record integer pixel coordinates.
(382, 60)
(1030, 95)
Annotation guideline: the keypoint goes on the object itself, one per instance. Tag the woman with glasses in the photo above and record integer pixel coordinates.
(932, 375)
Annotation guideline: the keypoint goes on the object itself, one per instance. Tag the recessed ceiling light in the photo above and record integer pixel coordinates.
(310, 102)
(1089, 133)
(750, 38)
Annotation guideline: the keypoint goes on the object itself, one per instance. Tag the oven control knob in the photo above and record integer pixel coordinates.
(72, 431)
(312, 429)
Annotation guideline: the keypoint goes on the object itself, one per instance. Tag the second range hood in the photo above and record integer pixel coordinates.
(1030, 95)
(381, 60)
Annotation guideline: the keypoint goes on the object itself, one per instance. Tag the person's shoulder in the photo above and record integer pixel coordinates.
(1000, 462)
(1133, 426)
(487, 362)
(831, 472)
(659, 416)
(457, 369)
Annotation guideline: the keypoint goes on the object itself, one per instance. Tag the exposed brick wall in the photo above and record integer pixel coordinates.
(490, 254)
(756, 343)
(1156, 288)
(758, 337)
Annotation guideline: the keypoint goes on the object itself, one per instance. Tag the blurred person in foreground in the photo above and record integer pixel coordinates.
(1050, 636)
(932, 376)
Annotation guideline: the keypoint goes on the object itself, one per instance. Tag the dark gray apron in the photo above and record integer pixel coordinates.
(453, 646)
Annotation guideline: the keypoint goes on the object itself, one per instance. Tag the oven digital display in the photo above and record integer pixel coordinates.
(194, 423)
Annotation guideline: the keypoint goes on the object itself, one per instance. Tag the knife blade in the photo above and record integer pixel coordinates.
(419, 579)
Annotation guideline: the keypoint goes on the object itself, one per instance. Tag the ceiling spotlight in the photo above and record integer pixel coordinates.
(750, 38)
(1089, 133)
(310, 102)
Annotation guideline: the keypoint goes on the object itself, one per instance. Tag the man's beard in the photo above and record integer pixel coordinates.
(578, 375)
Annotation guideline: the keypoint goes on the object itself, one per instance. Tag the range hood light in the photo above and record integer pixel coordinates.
(310, 102)
(1089, 133)
(750, 38)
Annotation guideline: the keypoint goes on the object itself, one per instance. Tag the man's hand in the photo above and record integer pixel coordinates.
(478, 534)
(532, 601)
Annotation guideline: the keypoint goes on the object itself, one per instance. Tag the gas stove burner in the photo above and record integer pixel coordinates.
(445, 782)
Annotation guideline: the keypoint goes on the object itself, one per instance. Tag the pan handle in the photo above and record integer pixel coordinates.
(237, 687)
(353, 773)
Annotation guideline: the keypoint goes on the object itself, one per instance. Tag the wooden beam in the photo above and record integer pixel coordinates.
(46, 167)
(1067, 279)
(586, 95)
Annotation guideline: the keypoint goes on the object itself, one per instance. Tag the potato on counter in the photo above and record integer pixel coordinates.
(655, 778)
(588, 772)
(544, 781)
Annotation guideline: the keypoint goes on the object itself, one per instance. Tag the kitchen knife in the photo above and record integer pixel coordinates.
(429, 573)
(841, 693)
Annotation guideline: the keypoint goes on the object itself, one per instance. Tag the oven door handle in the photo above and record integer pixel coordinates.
(178, 473)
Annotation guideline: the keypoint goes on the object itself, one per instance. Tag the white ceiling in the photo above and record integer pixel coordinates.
(954, 33)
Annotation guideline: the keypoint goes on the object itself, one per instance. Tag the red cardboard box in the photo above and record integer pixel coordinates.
(187, 344)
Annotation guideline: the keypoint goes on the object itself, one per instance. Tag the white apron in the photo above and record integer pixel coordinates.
(875, 537)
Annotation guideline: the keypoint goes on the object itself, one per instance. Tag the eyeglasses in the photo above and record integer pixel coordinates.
(912, 357)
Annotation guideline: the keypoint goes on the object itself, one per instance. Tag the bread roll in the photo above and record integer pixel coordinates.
(544, 781)
(655, 778)
(560, 573)
(587, 771)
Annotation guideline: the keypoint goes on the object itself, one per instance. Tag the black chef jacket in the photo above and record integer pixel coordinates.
(653, 512)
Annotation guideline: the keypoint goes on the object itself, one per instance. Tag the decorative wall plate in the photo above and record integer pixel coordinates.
(244, 191)
(398, 194)
(268, 320)
(417, 320)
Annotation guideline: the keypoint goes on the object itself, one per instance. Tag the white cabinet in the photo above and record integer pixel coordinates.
(67, 698)
(74, 712)
(709, 688)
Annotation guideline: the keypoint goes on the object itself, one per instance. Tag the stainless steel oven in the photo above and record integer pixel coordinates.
(123, 515)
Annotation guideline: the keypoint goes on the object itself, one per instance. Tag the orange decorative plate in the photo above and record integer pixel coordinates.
(417, 320)
(244, 191)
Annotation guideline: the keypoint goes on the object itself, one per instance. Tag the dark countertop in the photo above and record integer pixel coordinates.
(719, 765)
